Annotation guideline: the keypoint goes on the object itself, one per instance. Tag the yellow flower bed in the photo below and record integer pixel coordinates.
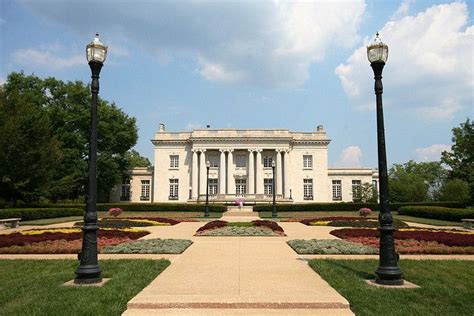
(320, 223)
(155, 223)
(71, 230)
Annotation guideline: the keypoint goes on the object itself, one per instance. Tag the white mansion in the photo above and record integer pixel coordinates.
(240, 166)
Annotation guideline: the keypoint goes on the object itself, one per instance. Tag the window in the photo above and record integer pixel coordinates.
(213, 186)
(173, 189)
(214, 161)
(240, 161)
(268, 186)
(308, 189)
(145, 196)
(307, 161)
(356, 190)
(125, 195)
(240, 186)
(336, 190)
(267, 161)
(174, 161)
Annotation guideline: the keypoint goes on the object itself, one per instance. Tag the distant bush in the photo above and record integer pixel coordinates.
(348, 207)
(115, 211)
(28, 214)
(434, 212)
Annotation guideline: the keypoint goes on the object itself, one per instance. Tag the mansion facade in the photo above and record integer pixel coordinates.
(237, 164)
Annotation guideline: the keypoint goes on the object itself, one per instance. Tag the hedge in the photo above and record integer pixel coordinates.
(161, 207)
(434, 212)
(28, 214)
(347, 207)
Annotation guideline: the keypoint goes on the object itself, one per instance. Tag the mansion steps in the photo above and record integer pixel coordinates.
(240, 166)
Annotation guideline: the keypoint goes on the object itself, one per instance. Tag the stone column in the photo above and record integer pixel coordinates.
(194, 173)
(202, 173)
(278, 172)
(286, 167)
(222, 178)
(259, 173)
(251, 173)
(230, 173)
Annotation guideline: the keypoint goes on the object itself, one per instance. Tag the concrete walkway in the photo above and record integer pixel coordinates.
(239, 275)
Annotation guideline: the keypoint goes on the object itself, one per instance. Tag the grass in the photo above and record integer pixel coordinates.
(49, 221)
(428, 221)
(57, 220)
(34, 287)
(447, 287)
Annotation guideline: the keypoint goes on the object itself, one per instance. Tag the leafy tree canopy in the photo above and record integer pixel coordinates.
(461, 156)
(63, 109)
(135, 160)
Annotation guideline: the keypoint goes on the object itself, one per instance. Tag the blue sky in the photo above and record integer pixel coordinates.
(265, 64)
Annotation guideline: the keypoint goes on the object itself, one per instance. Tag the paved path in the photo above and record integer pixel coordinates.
(238, 274)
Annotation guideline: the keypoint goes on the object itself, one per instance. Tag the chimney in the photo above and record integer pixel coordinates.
(162, 128)
(208, 126)
(320, 128)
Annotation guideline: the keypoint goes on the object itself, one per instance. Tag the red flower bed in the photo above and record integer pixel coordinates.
(411, 246)
(19, 239)
(448, 237)
(60, 246)
(212, 225)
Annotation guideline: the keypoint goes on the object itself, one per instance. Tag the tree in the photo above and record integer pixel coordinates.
(29, 151)
(368, 193)
(461, 156)
(135, 160)
(67, 108)
(454, 190)
(415, 182)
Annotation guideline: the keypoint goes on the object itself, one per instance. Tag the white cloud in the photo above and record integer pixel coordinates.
(429, 71)
(45, 58)
(265, 43)
(402, 10)
(2, 81)
(431, 153)
(350, 157)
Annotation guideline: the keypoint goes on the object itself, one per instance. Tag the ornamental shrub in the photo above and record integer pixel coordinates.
(443, 213)
(115, 211)
(365, 211)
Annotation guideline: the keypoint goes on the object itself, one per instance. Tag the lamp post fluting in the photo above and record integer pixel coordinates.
(89, 270)
(388, 271)
(206, 209)
(274, 209)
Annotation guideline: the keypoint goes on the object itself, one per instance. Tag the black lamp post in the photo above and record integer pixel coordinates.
(89, 270)
(274, 209)
(388, 271)
(206, 210)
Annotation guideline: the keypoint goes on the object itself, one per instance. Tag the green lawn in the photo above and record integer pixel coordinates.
(34, 287)
(447, 287)
(56, 220)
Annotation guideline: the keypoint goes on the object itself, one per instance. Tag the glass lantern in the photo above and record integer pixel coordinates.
(96, 51)
(377, 51)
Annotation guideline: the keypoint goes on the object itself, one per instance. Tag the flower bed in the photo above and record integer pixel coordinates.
(62, 240)
(330, 246)
(254, 228)
(415, 240)
(348, 221)
(162, 246)
(132, 222)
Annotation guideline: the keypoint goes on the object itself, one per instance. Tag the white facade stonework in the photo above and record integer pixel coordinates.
(240, 167)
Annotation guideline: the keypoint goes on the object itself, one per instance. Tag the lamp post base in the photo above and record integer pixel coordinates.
(88, 275)
(389, 276)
